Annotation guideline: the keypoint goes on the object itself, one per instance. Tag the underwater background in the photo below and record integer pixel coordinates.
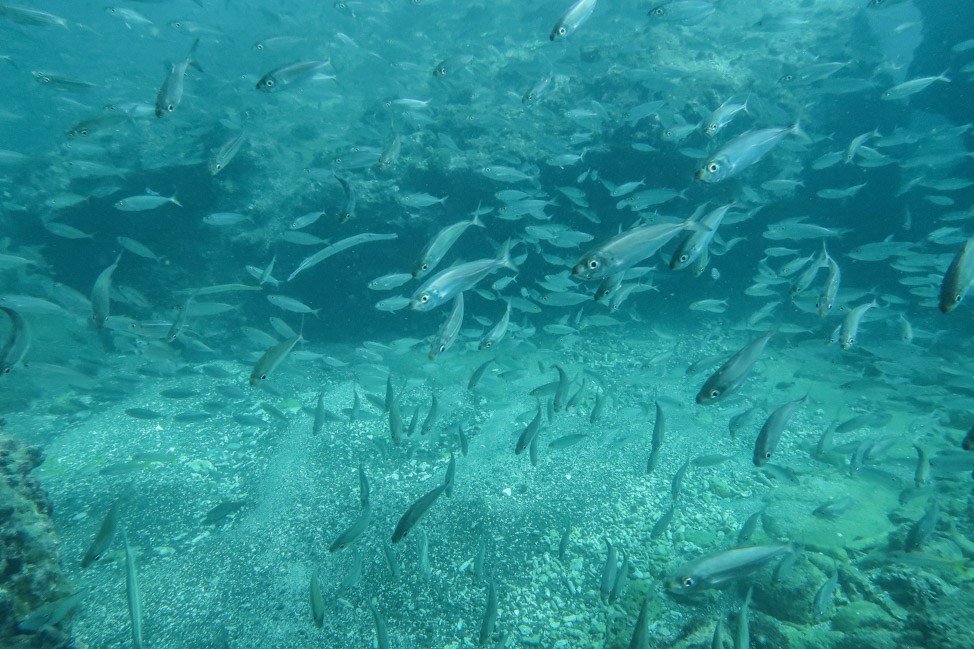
(708, 381)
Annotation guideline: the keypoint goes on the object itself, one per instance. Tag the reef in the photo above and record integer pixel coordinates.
(30, 570)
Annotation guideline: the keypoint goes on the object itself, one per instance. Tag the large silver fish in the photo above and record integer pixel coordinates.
(448, 333)
(439, 245)
(771, 432)
(742, 152)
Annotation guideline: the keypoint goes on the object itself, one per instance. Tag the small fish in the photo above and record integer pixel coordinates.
(133, 593)
(911, 87)
(354, 531)
(50, 614)
(449, 67)
(628, 248)
(490, 616)
(291, 75)
(226, 153)
(850, 326)
(572, 19)
(415, 513)
(772, 430)
(731, 375)
(144, 202)
(103, 539)
(419, 200)
(439, 245)
(498, 331)
(721, 568)
(317, 601)
(16, 347)
(724, 114)
(269, 361)
(290, 304)
(958, 278)
(101, 294)
(171, 92)
(824, 595)
(448, 333)
(827, 297)
(529, 433)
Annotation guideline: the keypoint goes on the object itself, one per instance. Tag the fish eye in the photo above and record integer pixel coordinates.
(177, 25)
(83, 132)
(263, 377)
(269, 83)
(488, 344)
(562, 31)
(713, 167)
(683, 258)
(593, 264)
(788, 77)
(487, 169)
(767, 455)
(956, 299)
(424, 298)
(259, 46)
(425, 266)
(714, 393)
(170, 108)
(659, 11)
(668, 133)
(713, 127)
(688, 582)
(442, 348)
(45, 79)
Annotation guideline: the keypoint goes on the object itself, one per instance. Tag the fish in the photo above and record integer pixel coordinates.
(439, 245)
(421, 200)
(133, 593)
(430, 416)
(18, 344)
(381, 632)
(490, 616)
(742, 152)
(290, 304)
(628, 248)
(774, 426)
(226, 153)
(921, 530)
(676, 488)
(103, 539)
(663, 523)
(827, 297)
(529, 433)
(138, 248)
(824, 595)
(478, 374)
(447, 284)
(958, 278)
(685, 12)
(389, 154)
(448, 333)
(51, 613)
(291, 75)
(354, 531)
(415, 513)
(573, 18)
(31, 17)
(317, 601)
(171, 92)
(722, 568)
(695, 242)
(726, 112)
(101, 294)
(145, 202)
(850, 326)
(449, 67)
(911, 87)
(337, 247)
(731, 374)
(498, 331)
(270, 359)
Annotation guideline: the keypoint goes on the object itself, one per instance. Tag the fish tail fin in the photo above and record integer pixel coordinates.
(796, 129)
(175, 201)
(476, 218)
(504, 257)
(191, 57)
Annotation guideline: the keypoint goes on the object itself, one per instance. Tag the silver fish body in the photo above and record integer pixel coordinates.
(415, 513)
(772, 430)
(958, 278)
(572, 19)
(742, 152)
(14, 350)
(447, 284)
(101, 294)
(732, 374)
(447, 335)
(696, 241)
(171, 92)
(850, 326)
(439, 245)
(290, 75)
(498, 331)
(722, 568)
(627, 249)
(226, 153)
(269, 361)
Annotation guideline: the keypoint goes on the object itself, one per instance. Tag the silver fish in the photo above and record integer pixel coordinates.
(290, 75)
(720, 569)
(440, 244)
(827, 298)
(415, 513)
(317, 601)
(732, 374)
(850, 326)
(722, 116)
(447, 284)
(958, 278)
(101, 294)
(269, 361)
(14, 350)
(771, 432)
(339, 246)
(448, 333)
(911, 87)
(498, 331)
(171, 92)
(742, 152)
(695, 242)
(572, 19)
(823, 598)
(628, 248)
(133, 593)
(144, 202)
(354, 531)
(226, 153)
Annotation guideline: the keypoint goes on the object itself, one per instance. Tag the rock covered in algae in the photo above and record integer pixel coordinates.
(30, 571)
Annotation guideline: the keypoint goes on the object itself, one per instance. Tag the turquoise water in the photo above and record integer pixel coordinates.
(180, 391)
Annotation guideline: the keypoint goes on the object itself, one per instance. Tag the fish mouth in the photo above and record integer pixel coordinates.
(700, 174)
